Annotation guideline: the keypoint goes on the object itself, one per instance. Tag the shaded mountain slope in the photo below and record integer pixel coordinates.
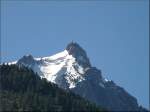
(72, 71)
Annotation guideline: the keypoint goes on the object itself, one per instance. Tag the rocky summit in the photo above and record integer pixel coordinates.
(71, 70)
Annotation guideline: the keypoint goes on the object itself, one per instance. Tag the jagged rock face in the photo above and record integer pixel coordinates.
(28, 59)
(80, 55)
(71, 69)
(29, 62)
(106, 94)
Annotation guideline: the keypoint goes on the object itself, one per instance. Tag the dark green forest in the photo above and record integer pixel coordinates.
(23, 90)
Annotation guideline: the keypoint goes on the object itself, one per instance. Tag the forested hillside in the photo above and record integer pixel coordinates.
(22, 90)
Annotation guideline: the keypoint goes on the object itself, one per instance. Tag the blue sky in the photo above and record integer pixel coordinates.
(115, 35)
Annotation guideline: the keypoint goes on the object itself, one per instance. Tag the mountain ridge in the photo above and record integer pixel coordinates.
(71, 69)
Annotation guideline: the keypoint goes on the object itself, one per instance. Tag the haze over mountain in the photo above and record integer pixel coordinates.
(71, 70)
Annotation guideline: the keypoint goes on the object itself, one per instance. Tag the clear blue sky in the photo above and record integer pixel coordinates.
(115, 35)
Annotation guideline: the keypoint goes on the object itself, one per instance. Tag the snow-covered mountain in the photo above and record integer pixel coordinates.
(72, 70)
(66, 68)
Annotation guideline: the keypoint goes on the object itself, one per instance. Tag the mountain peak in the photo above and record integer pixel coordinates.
(79, 53)
(28, 59)
(73, 48)
(71, 70)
